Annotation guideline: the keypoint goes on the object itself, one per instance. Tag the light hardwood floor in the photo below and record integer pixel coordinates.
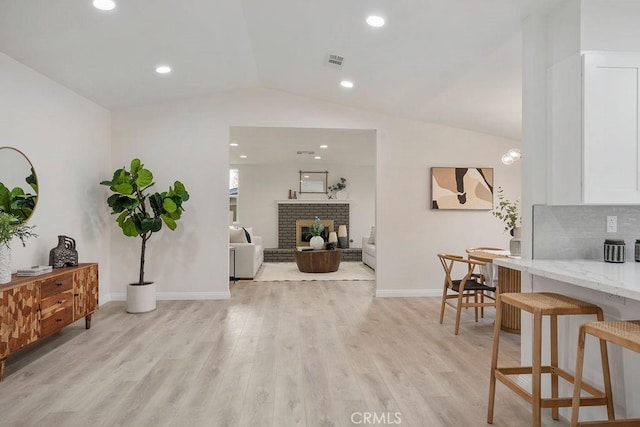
(276, 354)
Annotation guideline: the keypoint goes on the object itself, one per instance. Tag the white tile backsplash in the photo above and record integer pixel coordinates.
(579, 232)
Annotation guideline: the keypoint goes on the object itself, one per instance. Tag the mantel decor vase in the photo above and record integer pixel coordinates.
(343, 240)
(65, 254)
(515, 244)
(5, 263)
(316, 242)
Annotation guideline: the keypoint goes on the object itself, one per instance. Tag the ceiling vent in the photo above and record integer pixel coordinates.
(334, 61)
(306, 152)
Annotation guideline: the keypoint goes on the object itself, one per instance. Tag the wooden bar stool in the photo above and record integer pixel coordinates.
(542, 304)
(623, 333)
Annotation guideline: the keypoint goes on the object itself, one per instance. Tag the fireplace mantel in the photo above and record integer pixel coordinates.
(303, 201)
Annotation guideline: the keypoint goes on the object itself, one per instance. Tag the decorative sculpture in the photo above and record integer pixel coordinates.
(65, 254)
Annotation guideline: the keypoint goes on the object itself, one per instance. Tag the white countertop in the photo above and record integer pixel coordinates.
(615, 278)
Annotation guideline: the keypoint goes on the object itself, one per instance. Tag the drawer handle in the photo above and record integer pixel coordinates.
(58, 284)
(59, 302)
(58, 320)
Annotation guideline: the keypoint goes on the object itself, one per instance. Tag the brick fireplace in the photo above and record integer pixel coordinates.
(290, 211)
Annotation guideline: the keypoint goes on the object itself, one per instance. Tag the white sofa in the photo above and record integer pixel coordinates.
(368, 252)
(248, 258)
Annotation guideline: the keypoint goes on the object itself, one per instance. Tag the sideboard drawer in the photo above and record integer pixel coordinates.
(58, 302)
(54, 285)
(56, 321)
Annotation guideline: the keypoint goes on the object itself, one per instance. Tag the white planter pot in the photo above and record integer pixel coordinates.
(5, 263)
(316, 242)
(141, 299)
(515, 243)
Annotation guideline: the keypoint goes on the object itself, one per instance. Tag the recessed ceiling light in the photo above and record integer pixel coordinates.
(317, 157)
(163, 69)
(375, 21)
(234, 144)
(347, 84)
(104, 4)
(324, 146)
(243, 156)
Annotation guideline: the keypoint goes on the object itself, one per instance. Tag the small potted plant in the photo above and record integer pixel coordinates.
(141, 214)
(315, 231)
(507, 211)
(338, 189)
(11, 227)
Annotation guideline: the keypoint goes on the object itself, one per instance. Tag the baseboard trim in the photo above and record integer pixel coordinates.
(407, 293)
(178, 296)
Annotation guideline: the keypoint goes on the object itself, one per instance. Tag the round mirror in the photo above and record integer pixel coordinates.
(18, 184)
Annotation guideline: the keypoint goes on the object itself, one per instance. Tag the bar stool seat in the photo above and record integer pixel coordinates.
(626, 334)
(542, 304)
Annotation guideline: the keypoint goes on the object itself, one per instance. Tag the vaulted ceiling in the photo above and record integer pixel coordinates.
(456, 62)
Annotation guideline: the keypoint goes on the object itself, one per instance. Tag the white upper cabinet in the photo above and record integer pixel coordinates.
(594, 117)
(611, 118)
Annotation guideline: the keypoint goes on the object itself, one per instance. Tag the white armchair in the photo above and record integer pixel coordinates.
(248, 258)
(369, 252)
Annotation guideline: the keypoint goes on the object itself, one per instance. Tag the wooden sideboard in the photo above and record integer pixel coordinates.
(32, 308)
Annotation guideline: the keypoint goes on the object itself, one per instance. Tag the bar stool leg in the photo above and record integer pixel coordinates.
(494, 360)
(553, 322)
(577, 383)
(606, 374)
(536, 374)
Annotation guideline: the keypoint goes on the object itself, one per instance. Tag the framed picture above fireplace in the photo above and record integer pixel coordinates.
(313, 182)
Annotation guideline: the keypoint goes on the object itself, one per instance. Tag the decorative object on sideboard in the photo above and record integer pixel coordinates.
(330, 245)
(290, 194)
(11, 227)
(315, 231)
(34, 270)
(65, 254)
(343, 240)
(614, 250)
(140, 214)
(637, 250)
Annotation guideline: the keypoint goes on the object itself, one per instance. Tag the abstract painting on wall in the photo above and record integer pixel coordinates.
(462, 188)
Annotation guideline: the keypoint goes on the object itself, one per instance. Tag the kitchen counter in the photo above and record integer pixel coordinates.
(621, 279)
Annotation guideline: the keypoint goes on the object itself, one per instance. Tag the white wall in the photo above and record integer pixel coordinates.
(261, 185)
(67, 138)
(189, 140)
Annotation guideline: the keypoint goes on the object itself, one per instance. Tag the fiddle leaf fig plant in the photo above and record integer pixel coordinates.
(141, 213)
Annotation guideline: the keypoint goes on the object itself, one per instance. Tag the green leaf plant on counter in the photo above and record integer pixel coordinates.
(139, 212)
(508, 211)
